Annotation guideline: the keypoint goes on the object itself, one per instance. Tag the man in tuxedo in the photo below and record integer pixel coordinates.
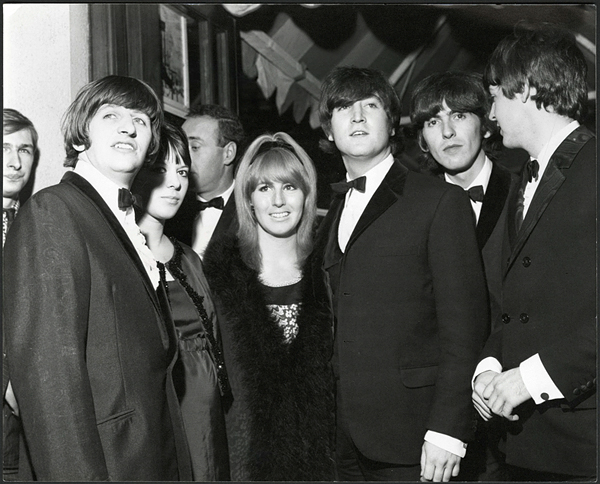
(449, 111)
(215, 135)
(538, 371)
(399, 252)
(90, 341)
(20, 151)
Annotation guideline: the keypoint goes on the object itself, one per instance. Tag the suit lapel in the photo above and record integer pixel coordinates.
(226, 219)
(326, 242)
(83, 186)
(553, 178)
(493, 203)
(391, 187)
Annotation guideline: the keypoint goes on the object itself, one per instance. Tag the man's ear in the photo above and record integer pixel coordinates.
(528, 92)
(229, 150)
(487, 134)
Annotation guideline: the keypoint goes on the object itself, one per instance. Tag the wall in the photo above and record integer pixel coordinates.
(46, 61)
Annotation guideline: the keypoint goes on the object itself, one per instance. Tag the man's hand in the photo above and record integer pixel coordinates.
(481, 405)
(437, 464)
(505, 392)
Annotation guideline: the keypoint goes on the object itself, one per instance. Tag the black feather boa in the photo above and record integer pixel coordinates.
(286, 388)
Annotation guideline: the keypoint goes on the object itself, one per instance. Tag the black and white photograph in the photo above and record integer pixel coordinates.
(300, 242)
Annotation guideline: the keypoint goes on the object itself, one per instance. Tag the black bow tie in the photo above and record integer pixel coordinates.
(343, 186)
(216, 202)
(532, 168)
(126, 199)
(476, 193)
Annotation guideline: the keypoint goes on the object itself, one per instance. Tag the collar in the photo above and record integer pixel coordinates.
(549, 148)
(226, 194)
(374, 177)
(483, 178)
(106, 188)
(14, 204)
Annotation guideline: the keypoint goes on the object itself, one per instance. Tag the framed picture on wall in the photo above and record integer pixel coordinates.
(174, 68)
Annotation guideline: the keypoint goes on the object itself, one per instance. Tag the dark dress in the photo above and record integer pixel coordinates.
(277, 347)
(195, 375)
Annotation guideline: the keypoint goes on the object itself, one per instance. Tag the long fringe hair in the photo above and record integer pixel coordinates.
(274, 157)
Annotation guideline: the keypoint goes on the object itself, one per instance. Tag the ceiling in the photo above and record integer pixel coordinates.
(289, 49)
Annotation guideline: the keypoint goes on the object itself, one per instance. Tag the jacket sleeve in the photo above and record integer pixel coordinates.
(46, 305)
(462, 313)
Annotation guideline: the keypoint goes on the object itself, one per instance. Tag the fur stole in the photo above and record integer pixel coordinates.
(286, 389)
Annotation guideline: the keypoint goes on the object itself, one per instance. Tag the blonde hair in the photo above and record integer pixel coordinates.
(274, 157)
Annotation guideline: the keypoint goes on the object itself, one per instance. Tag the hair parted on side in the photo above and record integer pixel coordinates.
(276, 163)
(345, 85)
(230, 126)
(544, 56)
(13, 121)
(122, 91)
(463, 92)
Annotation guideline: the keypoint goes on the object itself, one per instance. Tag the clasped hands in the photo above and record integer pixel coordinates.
(499, 393)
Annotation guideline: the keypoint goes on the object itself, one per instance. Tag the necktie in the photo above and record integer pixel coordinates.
(343, 186)
(126, 199)
(530, 171)
(476, 193)
(10, 214)
(216, 202)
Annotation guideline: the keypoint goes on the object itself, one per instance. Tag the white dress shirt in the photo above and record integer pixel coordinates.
(483, 179)
(536, 379)
(206, 221)
(354, 206)
(356, 202)
(109, 191)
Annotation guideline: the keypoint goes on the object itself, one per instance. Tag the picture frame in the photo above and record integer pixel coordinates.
(175, 64)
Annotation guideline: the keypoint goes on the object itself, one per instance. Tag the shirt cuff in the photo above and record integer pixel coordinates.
(446, 442)
(537, 381)
(487, 364)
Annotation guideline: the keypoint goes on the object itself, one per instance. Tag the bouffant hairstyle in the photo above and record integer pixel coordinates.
(274, 157)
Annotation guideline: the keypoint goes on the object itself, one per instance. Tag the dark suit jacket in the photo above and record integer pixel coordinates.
(411, 314)
(547, 296)
(493, 203)
(182, 225)
(88, 347)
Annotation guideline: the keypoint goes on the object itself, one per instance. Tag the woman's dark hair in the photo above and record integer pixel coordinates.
(546, 57)
(464, 93)
(173, 139)
(344, 86)
(122, 91)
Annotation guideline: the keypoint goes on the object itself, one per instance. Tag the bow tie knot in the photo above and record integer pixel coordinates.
(343, 186)
(532, 168)
(126, 199)
(476, 193)
(216, 202)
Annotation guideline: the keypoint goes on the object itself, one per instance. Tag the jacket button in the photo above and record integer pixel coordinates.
(583, 388)
(577, 391)
(524, 318)
(505, 318)
(526, 261)
(590, 384)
